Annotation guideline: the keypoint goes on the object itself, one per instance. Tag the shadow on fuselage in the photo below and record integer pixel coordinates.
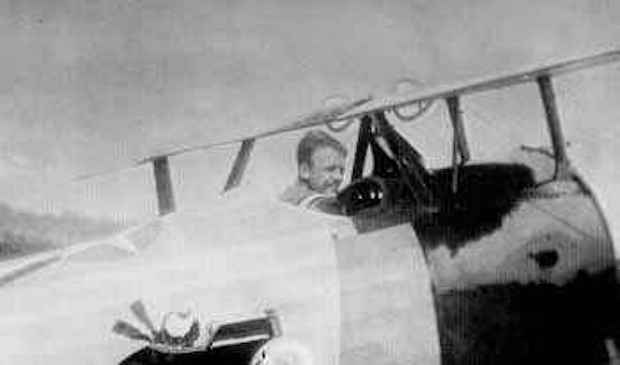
(485, 194)
(533, 323)
(515, 322)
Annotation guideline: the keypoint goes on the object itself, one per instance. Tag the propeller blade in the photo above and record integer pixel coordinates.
(125, 329)
(139, 310)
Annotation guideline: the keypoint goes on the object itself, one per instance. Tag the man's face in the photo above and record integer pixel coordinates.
(326, 171)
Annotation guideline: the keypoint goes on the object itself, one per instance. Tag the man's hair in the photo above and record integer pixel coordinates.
(314, 140)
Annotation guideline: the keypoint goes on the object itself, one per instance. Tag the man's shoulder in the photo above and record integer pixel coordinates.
(300, 195)
(296, 193)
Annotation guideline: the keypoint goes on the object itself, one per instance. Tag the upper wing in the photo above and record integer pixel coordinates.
(369, 105)
(318, 117)
(498, 82)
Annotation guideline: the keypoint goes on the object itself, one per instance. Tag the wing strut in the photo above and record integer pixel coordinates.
(460, 147)
(555, 129)
(363, 141)
(163, 185)
(456, 116)
(241, 162)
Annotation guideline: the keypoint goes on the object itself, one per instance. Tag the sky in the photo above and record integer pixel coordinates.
(93, 85)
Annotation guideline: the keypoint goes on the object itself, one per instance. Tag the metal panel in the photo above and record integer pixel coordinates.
(388, 315)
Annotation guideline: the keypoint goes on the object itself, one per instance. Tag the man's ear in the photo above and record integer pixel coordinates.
(304, 171)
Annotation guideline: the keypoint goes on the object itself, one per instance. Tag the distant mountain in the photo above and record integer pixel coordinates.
(23, 232)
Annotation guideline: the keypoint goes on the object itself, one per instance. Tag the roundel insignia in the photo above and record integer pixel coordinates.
(282, 351)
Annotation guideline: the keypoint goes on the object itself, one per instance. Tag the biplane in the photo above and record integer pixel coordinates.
(476, 262)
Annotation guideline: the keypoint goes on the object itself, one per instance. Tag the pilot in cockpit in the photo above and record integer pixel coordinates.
(320, 163)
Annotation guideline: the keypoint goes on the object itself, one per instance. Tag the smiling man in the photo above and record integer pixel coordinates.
(320, 162)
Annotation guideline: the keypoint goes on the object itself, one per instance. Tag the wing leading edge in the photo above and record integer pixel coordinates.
(364, 106)
(370, 105)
